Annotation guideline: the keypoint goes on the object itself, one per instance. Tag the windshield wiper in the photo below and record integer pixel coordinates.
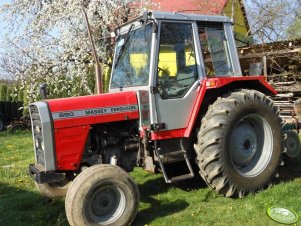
(123, 45)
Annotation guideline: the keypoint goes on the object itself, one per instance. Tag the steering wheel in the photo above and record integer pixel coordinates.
(165, 73)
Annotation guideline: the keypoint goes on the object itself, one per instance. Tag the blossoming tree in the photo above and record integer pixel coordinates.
(47, 42)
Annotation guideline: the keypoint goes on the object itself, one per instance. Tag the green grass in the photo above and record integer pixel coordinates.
(186, 203)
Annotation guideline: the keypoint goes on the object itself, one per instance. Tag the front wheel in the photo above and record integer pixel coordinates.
(240, 143)
(102, 195)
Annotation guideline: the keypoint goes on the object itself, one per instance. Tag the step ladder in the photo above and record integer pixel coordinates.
(173, 154)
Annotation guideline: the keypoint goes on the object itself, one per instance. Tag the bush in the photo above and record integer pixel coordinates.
(9, 94)
(3, 92)
(10, 111)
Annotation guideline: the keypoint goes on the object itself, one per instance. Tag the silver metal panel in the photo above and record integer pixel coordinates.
(144, 109)
(49, 154)
(134, 88)
(153, 72)
(175, 113)
(33, 138)
(94, 111)
(198, 52)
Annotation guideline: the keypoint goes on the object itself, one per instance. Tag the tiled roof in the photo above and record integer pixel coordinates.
(210, 7)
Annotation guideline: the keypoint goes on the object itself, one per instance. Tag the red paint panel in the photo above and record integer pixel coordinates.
(70, 145)
(94, 102)
(222, 81)
(196, 108)
(168, 134)
(268, 86)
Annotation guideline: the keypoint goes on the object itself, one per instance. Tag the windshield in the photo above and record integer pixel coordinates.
(132, 66)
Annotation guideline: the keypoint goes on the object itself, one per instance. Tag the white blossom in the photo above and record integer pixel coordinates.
(48, 42)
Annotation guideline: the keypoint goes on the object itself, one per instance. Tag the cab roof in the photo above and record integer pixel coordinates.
(160, 15)
(174, 16)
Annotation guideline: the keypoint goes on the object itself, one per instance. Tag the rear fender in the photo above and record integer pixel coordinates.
(213, 88)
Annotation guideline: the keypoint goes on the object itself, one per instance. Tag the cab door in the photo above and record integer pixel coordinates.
(176, 79)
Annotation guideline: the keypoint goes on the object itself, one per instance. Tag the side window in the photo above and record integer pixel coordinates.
(177, 69)
(215, 49)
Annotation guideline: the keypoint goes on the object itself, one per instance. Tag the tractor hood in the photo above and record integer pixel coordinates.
(94, 109)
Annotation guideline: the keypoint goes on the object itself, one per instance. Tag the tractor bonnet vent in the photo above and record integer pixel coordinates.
(37, 135)
(42, 134)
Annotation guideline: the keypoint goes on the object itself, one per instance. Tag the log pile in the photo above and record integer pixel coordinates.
(281, 64)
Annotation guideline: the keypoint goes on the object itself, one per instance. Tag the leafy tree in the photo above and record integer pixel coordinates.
(9, 94)
(20, 95)
(25, 103)
(294, 30)
(270, 19)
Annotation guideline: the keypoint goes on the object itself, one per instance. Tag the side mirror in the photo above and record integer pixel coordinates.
(145, 18)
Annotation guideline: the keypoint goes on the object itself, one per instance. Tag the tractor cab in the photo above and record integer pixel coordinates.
(167, 56)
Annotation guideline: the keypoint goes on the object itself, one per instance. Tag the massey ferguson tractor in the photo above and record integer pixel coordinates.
(177, 96)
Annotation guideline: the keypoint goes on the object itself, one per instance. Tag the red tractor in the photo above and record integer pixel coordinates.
(177, 96)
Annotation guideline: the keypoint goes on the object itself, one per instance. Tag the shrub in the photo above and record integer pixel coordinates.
(3, 93)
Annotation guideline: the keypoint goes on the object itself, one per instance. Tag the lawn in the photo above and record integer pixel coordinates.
(186, 203)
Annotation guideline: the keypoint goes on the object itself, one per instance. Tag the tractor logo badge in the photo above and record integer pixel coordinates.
(282, 215)
(66, 114)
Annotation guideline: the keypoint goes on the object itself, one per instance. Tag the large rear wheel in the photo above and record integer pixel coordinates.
(102, 195)
(240, 143)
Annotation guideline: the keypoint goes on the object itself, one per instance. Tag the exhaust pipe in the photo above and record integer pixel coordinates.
(98, 71)
(43, 91)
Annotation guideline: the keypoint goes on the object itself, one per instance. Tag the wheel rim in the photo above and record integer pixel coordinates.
(106, 204)
(292, 144)
(251, 145)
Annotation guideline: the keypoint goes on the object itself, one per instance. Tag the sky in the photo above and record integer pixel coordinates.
(1, 20)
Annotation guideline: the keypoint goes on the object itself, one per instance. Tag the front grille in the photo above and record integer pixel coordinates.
(37, 131)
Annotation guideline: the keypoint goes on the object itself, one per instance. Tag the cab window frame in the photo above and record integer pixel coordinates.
(197, 73)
